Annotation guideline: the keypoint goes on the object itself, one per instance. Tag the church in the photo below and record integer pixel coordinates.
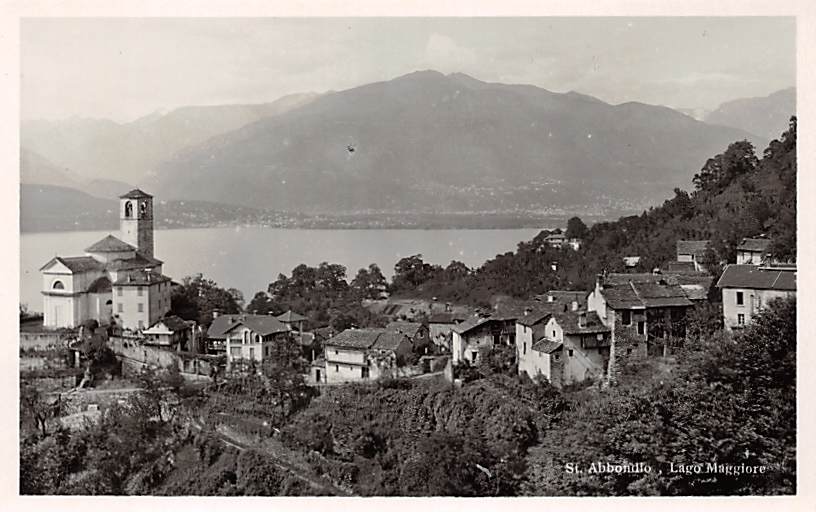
(117, 280)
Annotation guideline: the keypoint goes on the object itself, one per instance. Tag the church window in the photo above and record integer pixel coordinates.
(139, 291)
(58, 285)
(140, 307)
(128, 210)
(119, 292)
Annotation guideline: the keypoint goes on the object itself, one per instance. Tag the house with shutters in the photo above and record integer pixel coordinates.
(358, 355)
(569, 347)
(248, 339)
(639, 308)
(753, 251)
(117, 280)
(747, 289)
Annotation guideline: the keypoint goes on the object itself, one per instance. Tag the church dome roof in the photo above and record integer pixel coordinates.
(110, 244)
(135, 194)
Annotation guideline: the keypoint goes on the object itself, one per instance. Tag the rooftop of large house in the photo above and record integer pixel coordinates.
(410, 329)
(696, 247)
(571, 322)
(758, 278)
(171, 323)
(261, 324)
(447, 318)
(754, 244)
(643, 292)
(378, 339)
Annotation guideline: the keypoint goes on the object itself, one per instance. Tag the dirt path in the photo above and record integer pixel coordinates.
(273, 452)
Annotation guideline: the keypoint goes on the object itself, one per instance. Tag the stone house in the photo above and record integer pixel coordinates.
(356, 355)
(640, 308)
(753, 251)
(440, 328)
(172, 332)
(747, 289)
(417, 333)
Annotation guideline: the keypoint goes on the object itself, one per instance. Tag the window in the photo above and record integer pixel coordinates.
(626, 317)
(128, 210)
(641, 327)
(141, 325)
(257, 338)
(740, 299)
(251, 353)
(140, 307)
(336, 352)
(557, 357)
(118, 292)
(337, 367)
(58, 285)
(553, 334)
(120, 308)
(235, 352)
(139, 291)
(741, 319)
(245, 338)
(364, 372)
(524, 348)
(570, 352)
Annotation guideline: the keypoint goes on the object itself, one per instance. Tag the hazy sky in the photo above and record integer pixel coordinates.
(126, 68)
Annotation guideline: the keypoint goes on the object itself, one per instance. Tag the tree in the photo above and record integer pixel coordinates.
(369, 283)
(283, 370)
(198, 297)
(576, 228)
(260, 304)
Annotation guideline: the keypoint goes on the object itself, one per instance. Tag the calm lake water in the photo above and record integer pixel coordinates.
(249, 258)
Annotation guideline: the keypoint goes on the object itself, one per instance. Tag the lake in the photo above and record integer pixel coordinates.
(249, 258)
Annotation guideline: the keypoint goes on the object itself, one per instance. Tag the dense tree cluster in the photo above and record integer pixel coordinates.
(198, 297)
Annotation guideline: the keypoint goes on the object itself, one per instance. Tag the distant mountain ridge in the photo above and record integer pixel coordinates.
(104, 149)
(766, 116)
(431, 142)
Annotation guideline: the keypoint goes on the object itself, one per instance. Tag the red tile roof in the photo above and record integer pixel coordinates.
(261, 324)
(645, 293)
(547, 346)
(696, 247)
(377, 339)
(408, 328)
(569, 323)
(138, 261)
(758, 278)
(754, 244)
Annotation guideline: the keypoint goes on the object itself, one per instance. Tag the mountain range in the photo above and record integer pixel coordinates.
(423, 142)
(765, 116)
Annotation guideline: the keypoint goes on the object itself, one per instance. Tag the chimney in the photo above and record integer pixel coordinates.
(215, 313)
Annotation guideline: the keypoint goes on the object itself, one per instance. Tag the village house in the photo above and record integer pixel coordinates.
(173, 333)
(692, 251)
(250, 338)
(361, 354)
(417, 333)
(570, 347)
(481, 332)
(747, 289)
(641, 308)
(631, 261)
(80, 288)
(558, 240)
(753, 251)
(440, 328)
(529, 329)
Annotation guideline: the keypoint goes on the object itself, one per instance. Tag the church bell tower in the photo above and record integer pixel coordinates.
(136, 221)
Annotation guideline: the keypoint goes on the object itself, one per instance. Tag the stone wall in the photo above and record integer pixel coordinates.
(81, 400)
(43, 340)
(135, 355)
